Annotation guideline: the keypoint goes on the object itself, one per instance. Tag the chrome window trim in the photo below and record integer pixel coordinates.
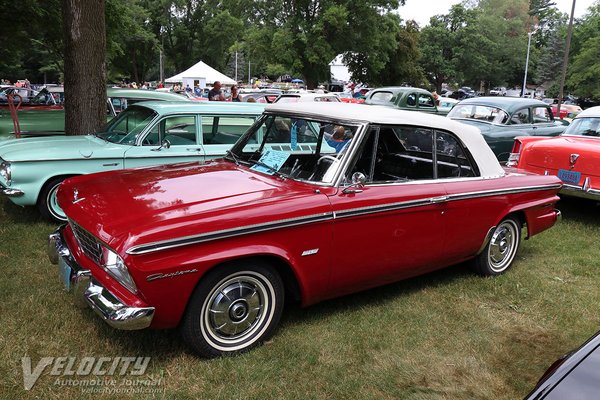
(352, 212)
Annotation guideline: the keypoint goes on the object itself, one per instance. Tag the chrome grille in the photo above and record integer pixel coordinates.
(89, 244)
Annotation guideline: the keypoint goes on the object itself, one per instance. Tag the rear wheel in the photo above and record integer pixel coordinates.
(234, 308)
(501, 250)
(47, 203)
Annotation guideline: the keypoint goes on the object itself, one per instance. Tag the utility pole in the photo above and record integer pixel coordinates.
(526, 65)
(236, 79)
(565, 61)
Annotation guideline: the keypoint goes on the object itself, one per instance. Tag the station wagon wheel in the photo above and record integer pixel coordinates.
(47, 203)
(500, 252)
(233, 309)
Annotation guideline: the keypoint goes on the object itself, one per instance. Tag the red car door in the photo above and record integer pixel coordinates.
(394, 228)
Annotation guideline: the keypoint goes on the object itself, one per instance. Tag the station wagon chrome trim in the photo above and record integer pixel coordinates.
(245, 230)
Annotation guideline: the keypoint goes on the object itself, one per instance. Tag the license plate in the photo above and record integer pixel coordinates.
(570, 177)
(65, 273)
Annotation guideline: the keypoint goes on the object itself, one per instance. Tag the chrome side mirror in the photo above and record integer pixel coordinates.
(165, 144)
(357, 184)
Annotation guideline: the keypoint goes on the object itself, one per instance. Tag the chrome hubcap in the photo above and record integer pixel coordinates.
(236, 308)
(503, 245)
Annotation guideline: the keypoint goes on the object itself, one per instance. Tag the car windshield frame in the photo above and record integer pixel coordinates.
(496, 120)
(577, 123)
(303, 163)
(110, 133)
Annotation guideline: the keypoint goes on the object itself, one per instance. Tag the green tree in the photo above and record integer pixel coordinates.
(584, 70)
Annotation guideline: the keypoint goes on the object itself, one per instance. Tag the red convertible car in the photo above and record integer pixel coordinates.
(316, 200)
(573, 156)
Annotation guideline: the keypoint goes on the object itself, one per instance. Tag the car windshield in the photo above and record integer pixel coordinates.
(127, 126)
(299, 148)
(584, 127)
(490, 114)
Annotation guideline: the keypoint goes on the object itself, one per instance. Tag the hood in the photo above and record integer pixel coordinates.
(55, 147)
(144, 205)
(554, 154)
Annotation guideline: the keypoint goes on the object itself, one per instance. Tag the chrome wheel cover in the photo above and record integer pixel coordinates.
(503, 245)
(237, 311)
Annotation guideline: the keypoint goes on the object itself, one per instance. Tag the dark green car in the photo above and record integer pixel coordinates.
(404, 98)
(45, 113)
(501, 119)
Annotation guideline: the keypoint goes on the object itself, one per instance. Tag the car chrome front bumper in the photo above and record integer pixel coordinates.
(87, 291)
(11, 192)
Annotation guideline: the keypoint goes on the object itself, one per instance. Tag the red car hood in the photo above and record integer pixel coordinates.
(144, 205)
(555, 153)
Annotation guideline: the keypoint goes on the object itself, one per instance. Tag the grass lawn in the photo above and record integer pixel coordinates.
(446, 335)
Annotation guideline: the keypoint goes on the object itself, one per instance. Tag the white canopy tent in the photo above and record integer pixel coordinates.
(200, 74)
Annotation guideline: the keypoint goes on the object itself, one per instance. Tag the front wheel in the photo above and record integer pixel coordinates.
(501, 250)
(47, 203)
(234, 308)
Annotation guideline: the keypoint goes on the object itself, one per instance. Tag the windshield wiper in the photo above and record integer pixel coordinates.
(267, 166)
(233, 156)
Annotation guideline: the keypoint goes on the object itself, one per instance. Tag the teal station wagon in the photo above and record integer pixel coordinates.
(148, 133)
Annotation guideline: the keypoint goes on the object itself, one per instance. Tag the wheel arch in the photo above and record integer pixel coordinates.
(51, 178)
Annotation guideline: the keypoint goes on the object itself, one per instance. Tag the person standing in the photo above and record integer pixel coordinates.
(235, 95)
(216, 94)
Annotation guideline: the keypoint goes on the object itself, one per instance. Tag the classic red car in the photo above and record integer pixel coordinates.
(315, 201)
(572, 156)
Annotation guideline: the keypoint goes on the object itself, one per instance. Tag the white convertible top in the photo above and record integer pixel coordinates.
(488, 164)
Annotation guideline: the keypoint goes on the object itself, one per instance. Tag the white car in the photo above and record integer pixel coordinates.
(307, 97)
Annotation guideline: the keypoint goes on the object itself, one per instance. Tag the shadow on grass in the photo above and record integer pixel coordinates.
(11, 213)
(579, 210)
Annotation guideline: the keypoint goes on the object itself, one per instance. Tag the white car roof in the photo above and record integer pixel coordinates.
(590, 112)
(308, 97)
(471, 136)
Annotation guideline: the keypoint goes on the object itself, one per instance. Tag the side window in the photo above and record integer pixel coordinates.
(382, 97)
(178, 130)
(520, 117)
(451, 158)
(542, 115)
(411, 100)
(402, 154)
(224, 130)
(426, 101)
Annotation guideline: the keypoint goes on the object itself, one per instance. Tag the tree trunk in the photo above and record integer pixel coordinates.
(85, 66)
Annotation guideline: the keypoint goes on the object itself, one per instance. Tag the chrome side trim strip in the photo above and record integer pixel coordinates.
(245, 230)
(354, 212)
(485, 193)
(226, 233)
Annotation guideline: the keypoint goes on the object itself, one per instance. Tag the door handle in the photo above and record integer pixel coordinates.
(440, 199)
(197, 149)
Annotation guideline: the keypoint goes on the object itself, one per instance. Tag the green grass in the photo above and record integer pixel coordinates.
(446, 335)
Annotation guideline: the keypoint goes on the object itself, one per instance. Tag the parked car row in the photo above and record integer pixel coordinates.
(214, 248)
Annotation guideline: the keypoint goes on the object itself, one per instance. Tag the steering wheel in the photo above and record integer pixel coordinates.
(316, 169)
(326, 157)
